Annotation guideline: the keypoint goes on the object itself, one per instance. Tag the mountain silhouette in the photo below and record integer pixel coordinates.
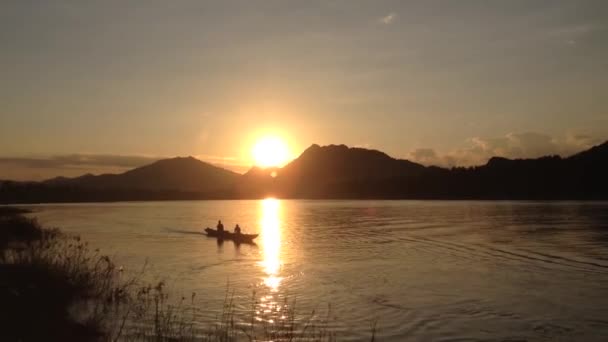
(178, 174)
(347, 164)
(335, 171)
(340, 171)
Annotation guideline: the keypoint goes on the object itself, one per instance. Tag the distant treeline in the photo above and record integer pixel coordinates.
(34, 192)
(335, 172)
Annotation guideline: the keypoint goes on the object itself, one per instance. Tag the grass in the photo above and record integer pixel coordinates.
(54, 287)
(160, 321)
(54, 283)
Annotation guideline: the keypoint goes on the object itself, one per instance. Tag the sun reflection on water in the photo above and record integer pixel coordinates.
(271, 242)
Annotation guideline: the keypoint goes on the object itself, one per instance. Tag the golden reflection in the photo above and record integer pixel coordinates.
(271, 242)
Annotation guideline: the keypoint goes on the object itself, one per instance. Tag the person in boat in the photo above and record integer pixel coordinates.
(220, 226)
(237, 229)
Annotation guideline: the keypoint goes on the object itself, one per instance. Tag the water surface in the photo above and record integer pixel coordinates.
(424, 270)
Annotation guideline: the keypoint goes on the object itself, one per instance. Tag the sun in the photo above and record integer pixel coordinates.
(270, 152)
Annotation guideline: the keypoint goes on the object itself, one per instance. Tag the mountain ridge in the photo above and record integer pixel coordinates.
(178, 173)
(335, 171)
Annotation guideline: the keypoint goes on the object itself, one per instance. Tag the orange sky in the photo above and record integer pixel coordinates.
(447, 83)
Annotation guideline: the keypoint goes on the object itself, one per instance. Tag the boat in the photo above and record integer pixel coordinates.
(225, 235)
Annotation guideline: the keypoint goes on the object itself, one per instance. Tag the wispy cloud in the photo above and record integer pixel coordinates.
(572, 33)
(513, 145)
(231, 163)
(71, 165)
(574, 30)
(212, 158)
(389, 18)
(80, 161)
(363, 145)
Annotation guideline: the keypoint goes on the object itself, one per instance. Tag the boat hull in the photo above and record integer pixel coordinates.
(230, 236)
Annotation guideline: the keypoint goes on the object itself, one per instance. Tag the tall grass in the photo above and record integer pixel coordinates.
(55, 283)
(158, 320)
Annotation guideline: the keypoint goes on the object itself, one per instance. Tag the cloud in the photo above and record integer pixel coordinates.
(425, 156)
(80, 161)
(389, 18)
(573, 31)
(212, 159)
(478, 150)
(570, 34)
(71, 165)
(428, 156)
(363, 145)
(519, 145)
(230, 163)
(579, 142)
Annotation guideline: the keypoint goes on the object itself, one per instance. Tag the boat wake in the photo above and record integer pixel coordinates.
(181, 231)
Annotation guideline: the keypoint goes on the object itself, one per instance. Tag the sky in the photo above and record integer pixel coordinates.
(104, 86)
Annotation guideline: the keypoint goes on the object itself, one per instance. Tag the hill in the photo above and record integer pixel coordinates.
(168, 179)
(335, 171)
(176, 174)
(340, 171)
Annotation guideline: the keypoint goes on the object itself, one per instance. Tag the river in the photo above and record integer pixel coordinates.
(422, 270)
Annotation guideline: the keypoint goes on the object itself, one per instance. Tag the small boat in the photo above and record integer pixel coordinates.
(225, 235)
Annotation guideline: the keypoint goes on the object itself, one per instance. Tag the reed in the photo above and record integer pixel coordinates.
(54, 287)
(159, 320)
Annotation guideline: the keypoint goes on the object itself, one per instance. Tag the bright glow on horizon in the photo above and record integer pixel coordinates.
(270, 151)
(271, 242)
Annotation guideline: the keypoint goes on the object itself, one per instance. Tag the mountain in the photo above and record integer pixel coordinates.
(340, 171)
(581, 176)
(326, 171)
(176, 174)
(333, 162)
(258, 182)
(335, 171)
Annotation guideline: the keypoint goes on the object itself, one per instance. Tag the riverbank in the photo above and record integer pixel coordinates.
(51, 286)
(54, 287)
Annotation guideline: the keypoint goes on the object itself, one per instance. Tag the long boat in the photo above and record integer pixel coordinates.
(225, 235)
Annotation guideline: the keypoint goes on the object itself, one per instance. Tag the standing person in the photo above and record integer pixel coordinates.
(220, 226)
(237, 229)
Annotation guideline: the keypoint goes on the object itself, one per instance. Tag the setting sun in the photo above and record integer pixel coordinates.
(270, 152)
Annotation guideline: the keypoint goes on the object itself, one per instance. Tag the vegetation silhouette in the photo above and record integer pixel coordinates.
(334, 172)
(54, 288)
